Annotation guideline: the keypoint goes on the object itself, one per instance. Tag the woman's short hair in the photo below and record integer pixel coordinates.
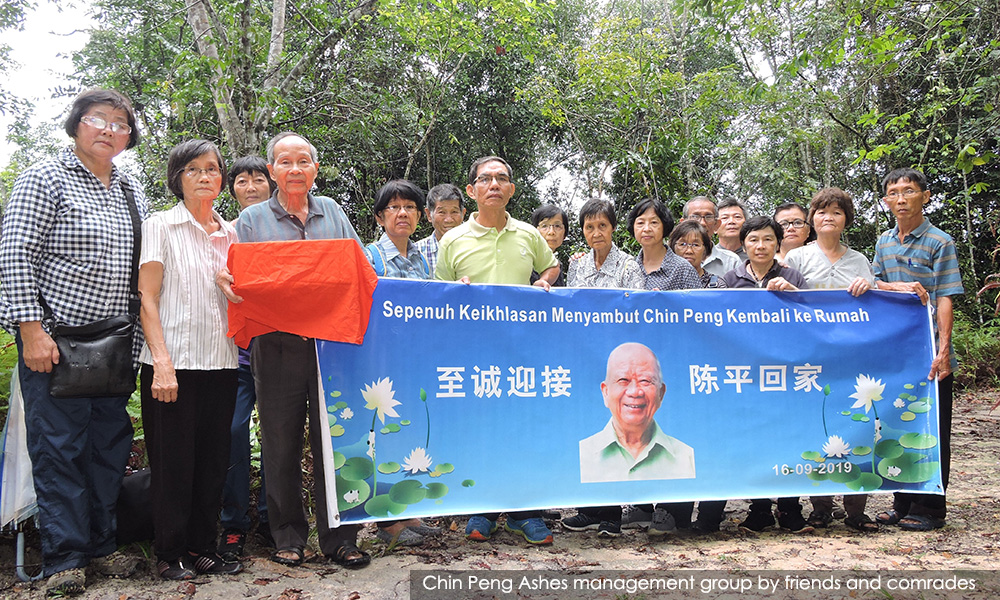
(805, 216)
(547, 211)
(89, 98)
(595, 207)
(661, 210)
(182, 154)
(831, 196)
(691, 226)
(398, 188)
(250, 165)
(758, 223)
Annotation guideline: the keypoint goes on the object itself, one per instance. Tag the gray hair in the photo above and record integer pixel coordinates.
(715, 209)
(283, 135)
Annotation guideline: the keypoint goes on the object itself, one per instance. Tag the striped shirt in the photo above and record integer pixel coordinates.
(927, 255)
(68, 238)
(192, 307)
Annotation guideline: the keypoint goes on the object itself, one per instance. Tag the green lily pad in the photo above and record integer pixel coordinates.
(338, 459)
(436, 490)
(846, 413)
(923, 383)
(812, 455)
(861, 451)
(332, 419)
(907, 416)
(391, 428)
(382, 506)
(918, 441)
(468, 483)
(911, 470)
(846, 476)
(337, 431)
(404, 422)
(344, 486)
(919, 407)
(888, 449)
(388, 468)
(868, 482)
(357, 469)
(815, 475)
(331, 408)
(908, 386)
(445, 468)
(860, 417)
(408, 491)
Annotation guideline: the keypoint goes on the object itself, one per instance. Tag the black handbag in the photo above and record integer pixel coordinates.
(95, 360)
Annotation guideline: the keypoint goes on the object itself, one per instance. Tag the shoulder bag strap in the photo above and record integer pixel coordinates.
(133, 292)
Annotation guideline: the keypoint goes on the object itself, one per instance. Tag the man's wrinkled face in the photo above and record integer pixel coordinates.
(294, 169)
(632, 388)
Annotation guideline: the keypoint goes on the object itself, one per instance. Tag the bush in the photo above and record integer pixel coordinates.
(978, 349)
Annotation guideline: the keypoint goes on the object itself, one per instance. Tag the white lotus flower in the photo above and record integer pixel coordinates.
(893, 471)
(418, 461)
(346, 414)
(899, 403)
(836, 446)
(352, 496)
(866, 391)
(380, 397)
(371, 445)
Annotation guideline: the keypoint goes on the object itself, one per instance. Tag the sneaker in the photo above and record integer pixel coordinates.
(581, 522)
(609, 529)
(406, 537)
(66, 583)
(661, 524)
(480, 528)
(117, 564)
(758, 521)
(634, 517)
(231, 545)
(213, 564)
(794, 522)
(425, 530)
(175, 570)
(533, 530)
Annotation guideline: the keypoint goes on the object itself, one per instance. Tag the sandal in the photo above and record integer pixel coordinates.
(819, 520)
(862, 523)
(350, 556)
(284, 560)
(888, 517)
(920, 523)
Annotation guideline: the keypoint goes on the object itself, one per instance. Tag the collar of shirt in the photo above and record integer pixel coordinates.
(916, 233)
(280, 212)
(71, 161)
(180, 214)
(665, 261)
(479, 231)
(609, 442)
(390, 249)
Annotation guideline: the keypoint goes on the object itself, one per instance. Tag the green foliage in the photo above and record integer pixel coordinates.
(977, 347)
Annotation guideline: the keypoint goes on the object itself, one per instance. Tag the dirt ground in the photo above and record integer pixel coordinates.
(970, 541)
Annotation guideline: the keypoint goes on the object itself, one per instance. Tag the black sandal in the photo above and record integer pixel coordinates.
(289, 562)
(888, 517)
(350, 556)
(862, 523)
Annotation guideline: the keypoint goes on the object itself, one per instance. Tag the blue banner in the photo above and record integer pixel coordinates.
(478, 398)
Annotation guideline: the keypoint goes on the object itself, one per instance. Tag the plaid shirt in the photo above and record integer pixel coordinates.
(68, 238)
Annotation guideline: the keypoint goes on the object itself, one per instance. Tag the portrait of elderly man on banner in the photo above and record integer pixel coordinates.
(632, 446)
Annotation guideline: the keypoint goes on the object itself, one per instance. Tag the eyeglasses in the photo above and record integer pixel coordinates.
(195, 172)
(685, 245)
(551, 227)
(486, 179)
(706, 219)
(796, 224)
(99, 123)
(907, 193)
(395, 208)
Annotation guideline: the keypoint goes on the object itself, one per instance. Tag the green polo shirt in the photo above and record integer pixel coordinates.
(486, 255)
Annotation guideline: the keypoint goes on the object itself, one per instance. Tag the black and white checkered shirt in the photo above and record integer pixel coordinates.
(69, 238)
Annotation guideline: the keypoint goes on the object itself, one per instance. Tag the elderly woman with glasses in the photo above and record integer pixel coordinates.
(552, 222)
(189, 376)
(66, 257)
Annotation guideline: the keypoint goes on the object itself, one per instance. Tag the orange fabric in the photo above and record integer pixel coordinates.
(314, 288)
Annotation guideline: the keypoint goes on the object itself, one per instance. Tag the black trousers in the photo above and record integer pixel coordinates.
(284, 370)
(187, 442)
